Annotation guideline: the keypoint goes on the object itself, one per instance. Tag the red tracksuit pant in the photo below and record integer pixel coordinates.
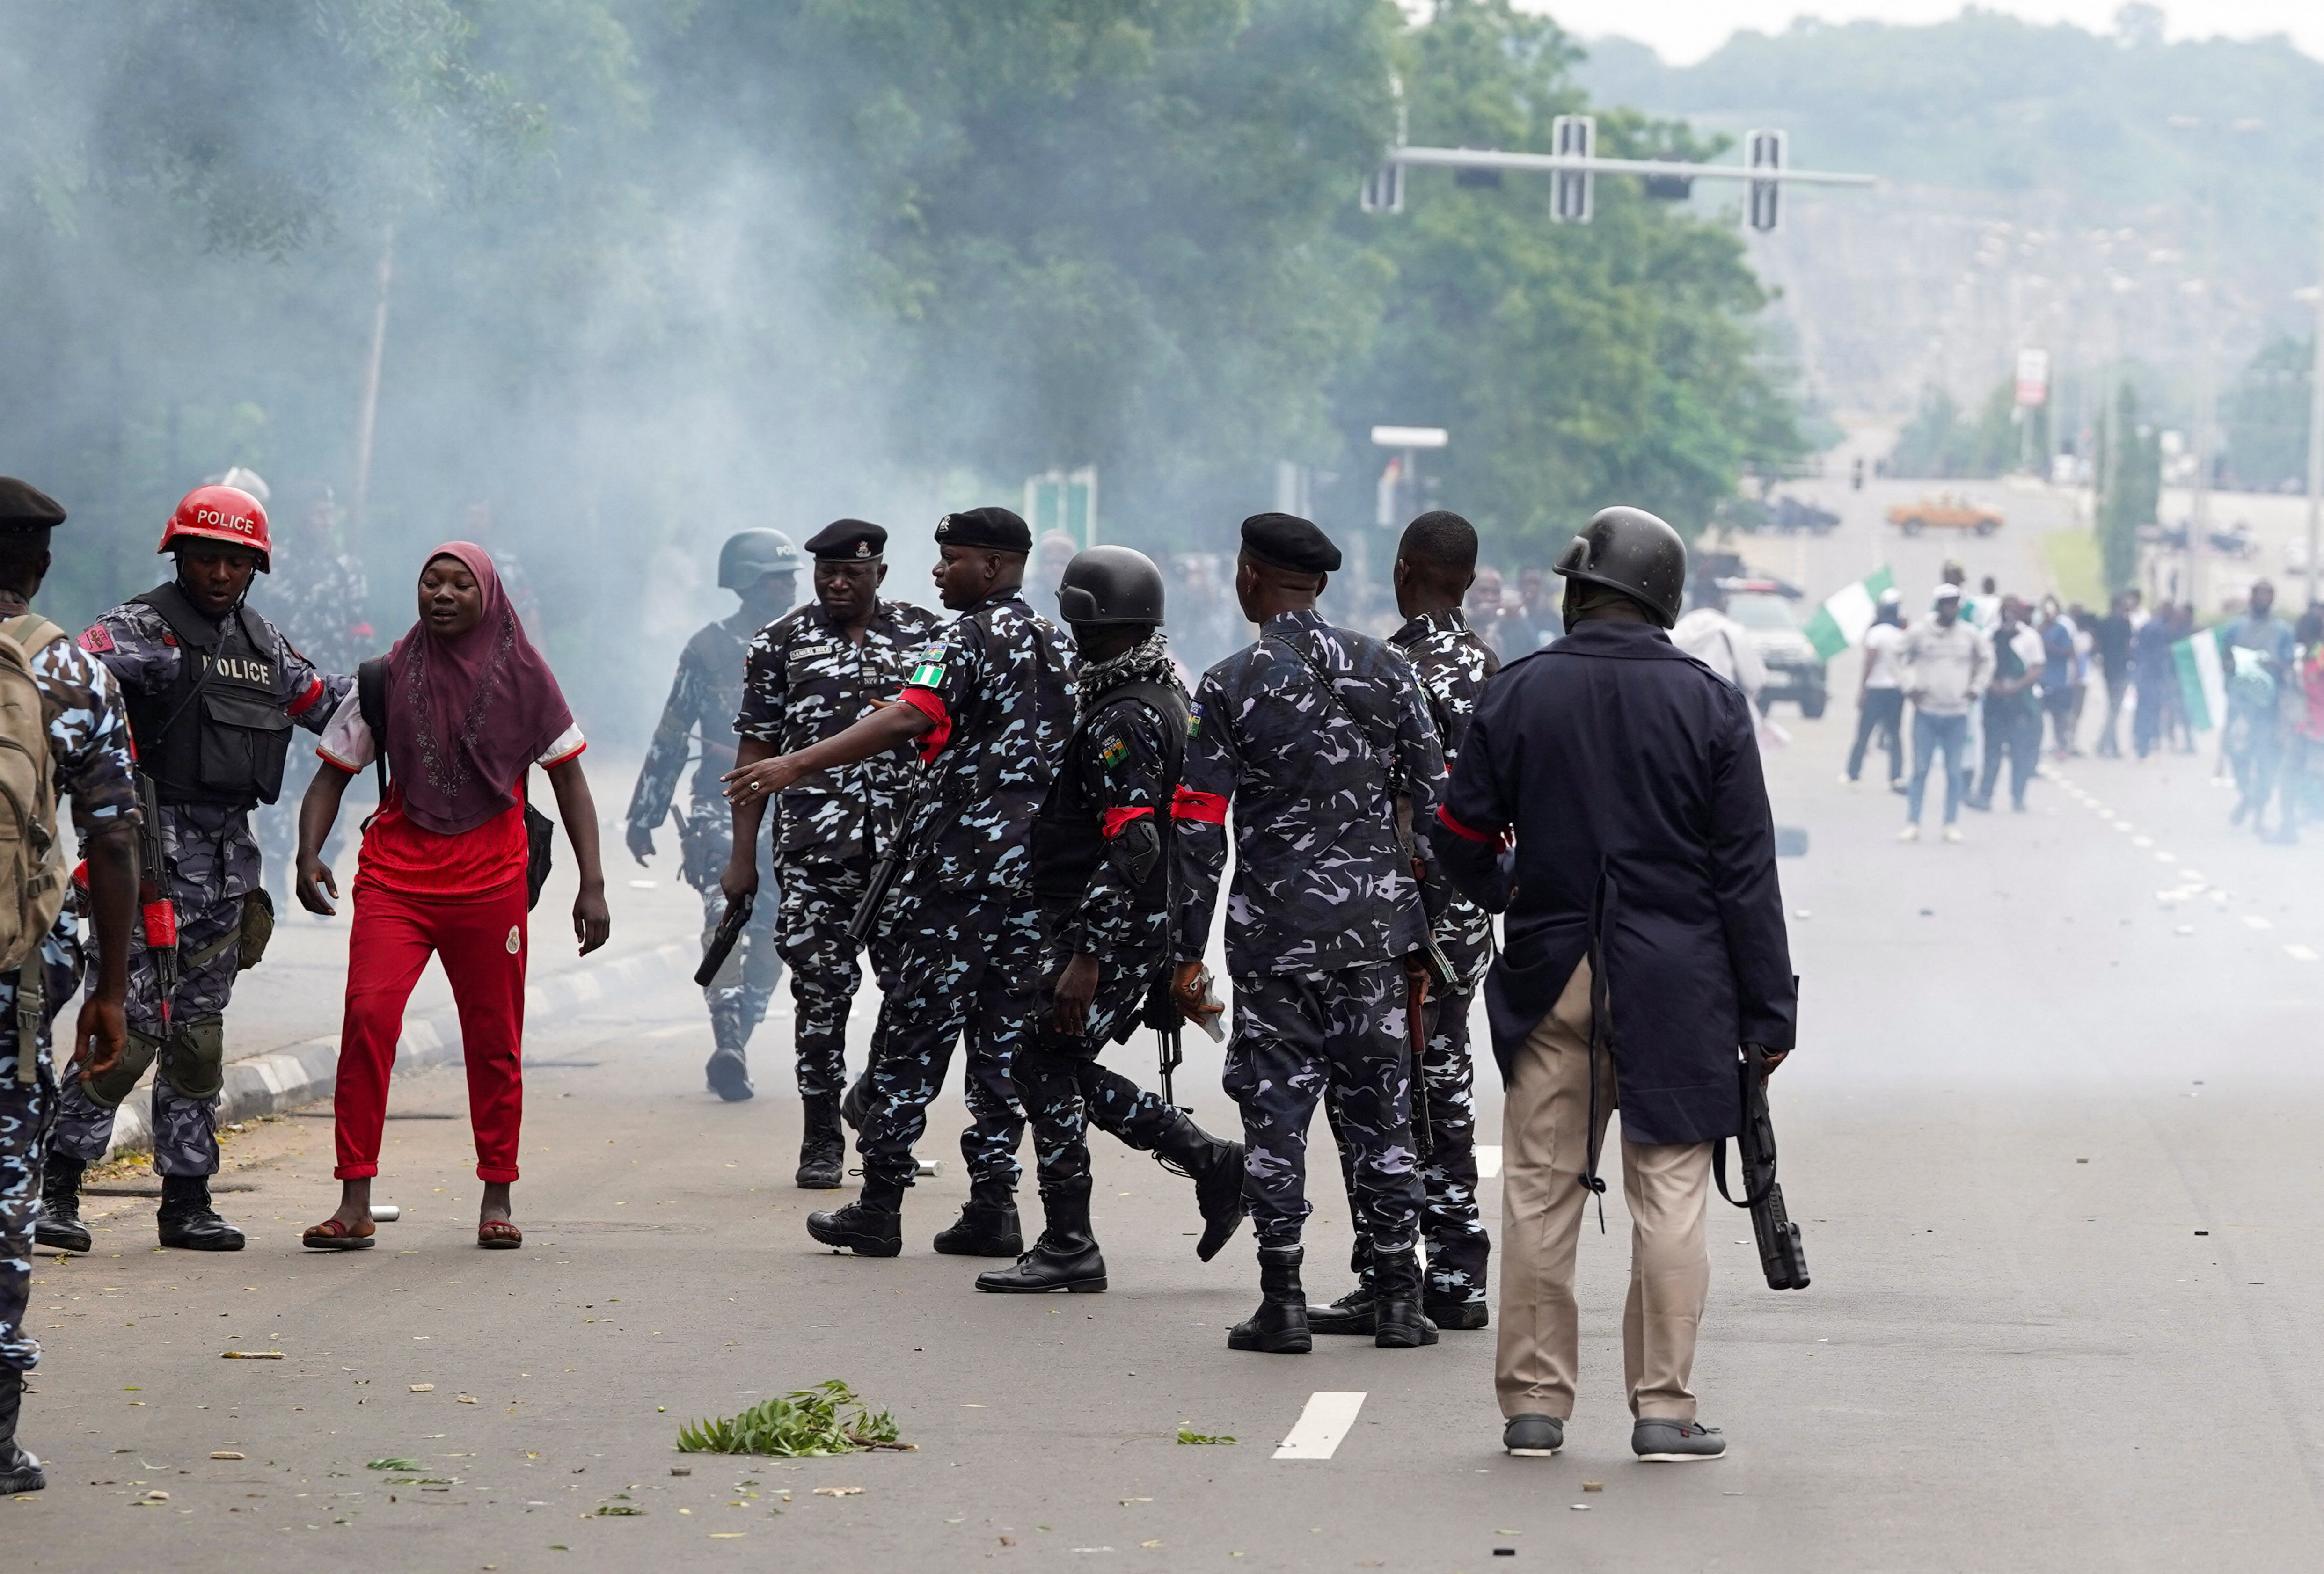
(483, 944)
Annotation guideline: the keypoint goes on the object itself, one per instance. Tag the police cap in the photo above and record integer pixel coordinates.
(1288, 541)
(992, 527)
(848, 541)
(25, 507)
(749, 555)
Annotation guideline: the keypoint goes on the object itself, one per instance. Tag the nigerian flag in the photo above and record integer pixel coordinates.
(2202, 685)
(1844, 616)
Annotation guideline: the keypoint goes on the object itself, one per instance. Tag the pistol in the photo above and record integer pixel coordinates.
(722, 940)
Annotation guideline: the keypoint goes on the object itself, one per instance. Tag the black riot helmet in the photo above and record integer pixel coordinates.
(1108, 585)
(751, 554)
(1630, 550)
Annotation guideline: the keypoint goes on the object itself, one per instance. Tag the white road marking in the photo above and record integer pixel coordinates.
(1488, 1162)
(2299, 953)
(2254, 921)
(1321, 1426)
(2142, 842)
(2166, 858)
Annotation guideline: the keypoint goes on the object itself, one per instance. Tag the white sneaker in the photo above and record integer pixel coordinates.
(1953, 833)
(1909, 833)
(1847, 780)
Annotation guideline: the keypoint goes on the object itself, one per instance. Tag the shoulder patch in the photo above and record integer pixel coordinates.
(1113, 753)
(928, 674)
(96, 637)
(1195, 720)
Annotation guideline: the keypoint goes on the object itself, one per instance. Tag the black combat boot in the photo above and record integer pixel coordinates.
(1455, 1293)
(1215, 1166)
(822, 1148)
(987, 1226)
(19, 1472)
(1279, 1326)
(59, 1225)
(1066, 1258)
(188, 1221)
(729, 1075)
(1397, 1321)
(1351, 1313)
(873, 1226)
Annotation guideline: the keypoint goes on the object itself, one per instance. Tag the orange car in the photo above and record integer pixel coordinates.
(1945, 511)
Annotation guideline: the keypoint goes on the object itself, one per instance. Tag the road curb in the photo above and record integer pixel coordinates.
(307, 1073)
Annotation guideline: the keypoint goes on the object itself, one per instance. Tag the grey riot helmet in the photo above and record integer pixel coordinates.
(751, 554)
(1630, 550)
(1110, 586)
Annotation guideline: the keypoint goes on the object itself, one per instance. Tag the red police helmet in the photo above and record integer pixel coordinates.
(220, 513)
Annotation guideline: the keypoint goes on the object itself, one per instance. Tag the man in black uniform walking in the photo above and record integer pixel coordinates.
(1645, 943)
(1313, 734)
(1435, 563)
(761, 568)
(989, 705)
(814, 674)
(1104, 887)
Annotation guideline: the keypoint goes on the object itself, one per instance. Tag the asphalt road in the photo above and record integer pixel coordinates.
(2050, 1132)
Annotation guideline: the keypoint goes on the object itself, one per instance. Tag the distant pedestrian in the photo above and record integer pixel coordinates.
(2057, 684)
(1945, 664)
(2257, 649)
(2112, 637)
(2303, 743)
(2154, 674)
(2013, 717)
(1880, 696)
(1723, 645)
(468, 707)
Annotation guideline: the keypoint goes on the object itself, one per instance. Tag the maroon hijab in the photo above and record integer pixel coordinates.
(466, 715)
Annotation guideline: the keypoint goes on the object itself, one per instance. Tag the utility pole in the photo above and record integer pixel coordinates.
(367, 419)
(2316, 442)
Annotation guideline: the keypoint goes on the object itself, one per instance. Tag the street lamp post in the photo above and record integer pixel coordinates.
(2316, 443)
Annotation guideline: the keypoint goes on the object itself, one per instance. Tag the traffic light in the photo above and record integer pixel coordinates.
(1573, 136)
(1766, 153)
(1384, 190)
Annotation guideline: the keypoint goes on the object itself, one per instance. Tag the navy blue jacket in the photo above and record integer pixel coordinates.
(1628, 773)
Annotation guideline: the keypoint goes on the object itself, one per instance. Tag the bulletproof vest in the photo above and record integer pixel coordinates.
(219, 733)
(1069, 834)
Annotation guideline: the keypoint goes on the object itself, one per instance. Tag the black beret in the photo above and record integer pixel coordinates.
(25, 507)
(1288, 541)
(991, 526)
(848, 541)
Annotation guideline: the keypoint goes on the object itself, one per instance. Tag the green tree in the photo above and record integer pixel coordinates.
(2129, 475)
(1575, 365)
(2266, 416)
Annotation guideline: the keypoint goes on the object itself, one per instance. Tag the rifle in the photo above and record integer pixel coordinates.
(1782, 1256)
(158, 915)
(722, 942)
(890, 863)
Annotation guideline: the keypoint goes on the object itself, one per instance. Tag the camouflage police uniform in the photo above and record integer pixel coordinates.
(1452, 664)
(806, 680)
(320, 601)
(702, 700)
(214, 865)
(963, 926)
(1324, 908)
(89, 750)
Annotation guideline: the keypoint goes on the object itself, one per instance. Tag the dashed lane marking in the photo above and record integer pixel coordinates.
(2254, 921)
(1321, 1426)
(2299, 953)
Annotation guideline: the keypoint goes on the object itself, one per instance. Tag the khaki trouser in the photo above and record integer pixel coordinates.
(1545, 1138)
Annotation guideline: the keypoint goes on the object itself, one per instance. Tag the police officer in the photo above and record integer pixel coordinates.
(811, 675)
(1313, 734)
(1644, 942)
(1104, 887)
(1435, 563)
(212, 691)
(991, 703)
(85, 739)
(761, 567)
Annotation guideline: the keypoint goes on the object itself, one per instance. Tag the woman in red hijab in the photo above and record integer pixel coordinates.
(470, 707)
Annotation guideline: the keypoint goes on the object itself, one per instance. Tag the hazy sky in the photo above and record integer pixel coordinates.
(1685, 30)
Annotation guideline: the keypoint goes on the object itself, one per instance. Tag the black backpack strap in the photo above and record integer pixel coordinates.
(371, 704)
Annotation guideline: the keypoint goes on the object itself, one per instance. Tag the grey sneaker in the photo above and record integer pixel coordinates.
(1533, 1437)
(1675, 1443)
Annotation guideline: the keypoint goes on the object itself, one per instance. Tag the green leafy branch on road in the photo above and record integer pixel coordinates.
(827, 1418)
(1187, 1434)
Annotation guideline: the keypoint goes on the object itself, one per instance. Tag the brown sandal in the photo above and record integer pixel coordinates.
(499, 1235)
(337, 1235)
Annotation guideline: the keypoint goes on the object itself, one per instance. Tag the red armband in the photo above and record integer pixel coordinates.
(930, 704)
(1498, 839)
(1118, 820)
(1208, 807)
(305, 702)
